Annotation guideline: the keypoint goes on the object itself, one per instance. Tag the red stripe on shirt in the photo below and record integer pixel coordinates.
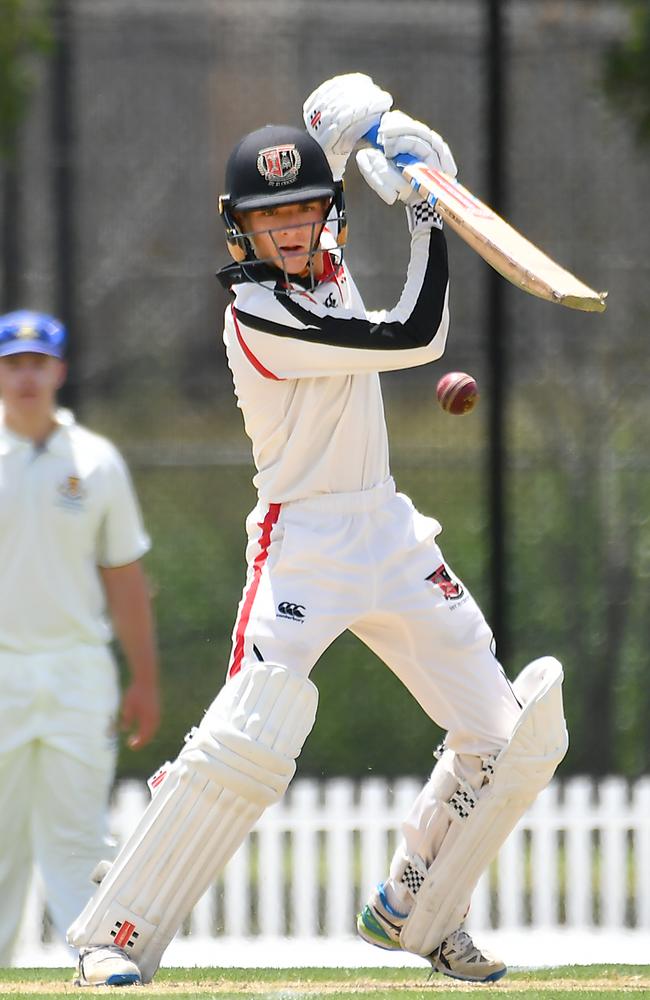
(258, 565)
(256, 363)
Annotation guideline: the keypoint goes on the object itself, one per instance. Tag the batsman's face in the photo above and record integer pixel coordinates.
(29, 382)
(285, 235)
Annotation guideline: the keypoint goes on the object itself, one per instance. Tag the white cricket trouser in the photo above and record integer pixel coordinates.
(57, 762)
(369, 562)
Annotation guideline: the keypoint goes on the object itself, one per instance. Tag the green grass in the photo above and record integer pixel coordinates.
(602, 982)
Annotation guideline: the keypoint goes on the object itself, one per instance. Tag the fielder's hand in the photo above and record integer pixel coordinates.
(339, 112)
(400, 134)
(140, 714)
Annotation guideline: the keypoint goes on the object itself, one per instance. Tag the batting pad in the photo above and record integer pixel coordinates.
(482, 820)
(238, 761)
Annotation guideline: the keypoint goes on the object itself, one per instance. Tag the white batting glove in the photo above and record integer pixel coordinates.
(388, 182)
(398, 133)
(385, 179)
(401, 134)
(339, 112)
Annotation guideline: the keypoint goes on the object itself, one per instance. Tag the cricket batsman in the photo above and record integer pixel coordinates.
(332, 546)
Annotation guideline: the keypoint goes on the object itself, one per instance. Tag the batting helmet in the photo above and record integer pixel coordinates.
(275, 165)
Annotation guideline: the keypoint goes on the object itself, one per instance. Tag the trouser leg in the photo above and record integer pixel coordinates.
(70, 828)
(16, 797)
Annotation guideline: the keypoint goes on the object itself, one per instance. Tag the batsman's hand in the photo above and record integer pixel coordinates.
(339, 112)
(398, 133)
(140, 713)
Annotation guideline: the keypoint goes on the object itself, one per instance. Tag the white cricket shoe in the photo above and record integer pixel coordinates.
(106, 965)
(459, 958)
(380, 924)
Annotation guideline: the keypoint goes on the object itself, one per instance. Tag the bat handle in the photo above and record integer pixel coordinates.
(401, 160)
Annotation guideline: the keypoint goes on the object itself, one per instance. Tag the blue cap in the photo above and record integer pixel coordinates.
(25, 332)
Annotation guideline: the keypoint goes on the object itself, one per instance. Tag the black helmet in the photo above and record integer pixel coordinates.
(275, 165)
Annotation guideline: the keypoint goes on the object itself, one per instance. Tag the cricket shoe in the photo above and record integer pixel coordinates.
(379, 923)
(457, 956)
(106, 965)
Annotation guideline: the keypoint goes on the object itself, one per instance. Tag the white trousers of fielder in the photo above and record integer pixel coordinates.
(57, 762)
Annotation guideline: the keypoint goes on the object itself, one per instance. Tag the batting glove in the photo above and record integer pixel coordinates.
(398, 133)
(339, 112)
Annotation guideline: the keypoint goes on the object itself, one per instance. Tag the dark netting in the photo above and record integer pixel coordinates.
(162, 91)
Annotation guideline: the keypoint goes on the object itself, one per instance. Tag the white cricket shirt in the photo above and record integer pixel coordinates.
(65, 509)
(305, 367)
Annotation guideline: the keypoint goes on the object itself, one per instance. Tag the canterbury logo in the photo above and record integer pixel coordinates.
(295, 612)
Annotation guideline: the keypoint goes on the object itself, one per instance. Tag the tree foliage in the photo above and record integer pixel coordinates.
(26, 32)
(627, 69)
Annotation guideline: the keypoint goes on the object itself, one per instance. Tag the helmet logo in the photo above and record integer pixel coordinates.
(279, 165)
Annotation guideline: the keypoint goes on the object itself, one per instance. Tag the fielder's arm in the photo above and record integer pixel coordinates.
(129, 605)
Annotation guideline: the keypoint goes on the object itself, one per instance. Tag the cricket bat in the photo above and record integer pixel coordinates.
(497, 242)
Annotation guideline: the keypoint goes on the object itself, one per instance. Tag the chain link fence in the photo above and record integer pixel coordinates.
(161, 92)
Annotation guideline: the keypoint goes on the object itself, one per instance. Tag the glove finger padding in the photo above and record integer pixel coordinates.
(339, 112)
(390, 184)
(399, 133)
(384, 178)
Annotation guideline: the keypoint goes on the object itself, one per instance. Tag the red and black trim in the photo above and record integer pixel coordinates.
(416, 330)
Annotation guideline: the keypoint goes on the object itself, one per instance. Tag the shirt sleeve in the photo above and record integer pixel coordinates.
(122, 536)
(292, 337)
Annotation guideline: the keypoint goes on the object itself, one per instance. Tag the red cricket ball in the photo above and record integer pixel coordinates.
(457, 392)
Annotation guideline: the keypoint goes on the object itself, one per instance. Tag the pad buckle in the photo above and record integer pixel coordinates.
(462, 801)
(487, 766)
(412, 878)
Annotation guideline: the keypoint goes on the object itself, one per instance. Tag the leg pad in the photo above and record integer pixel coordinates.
(481, 820)
(237, 762)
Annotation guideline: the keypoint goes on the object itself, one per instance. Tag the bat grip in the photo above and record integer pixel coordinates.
(401, 160)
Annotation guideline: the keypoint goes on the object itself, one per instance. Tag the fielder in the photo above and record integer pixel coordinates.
(71, 538)
(332, 546)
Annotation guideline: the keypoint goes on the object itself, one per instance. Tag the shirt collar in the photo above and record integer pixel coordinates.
(56, 443)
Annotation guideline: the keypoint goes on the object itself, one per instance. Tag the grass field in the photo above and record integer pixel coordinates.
(562, 983)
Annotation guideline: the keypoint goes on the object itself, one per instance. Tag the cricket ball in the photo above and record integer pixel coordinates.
(457, 392)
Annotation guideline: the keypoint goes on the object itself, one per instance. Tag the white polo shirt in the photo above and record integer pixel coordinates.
(65, 509)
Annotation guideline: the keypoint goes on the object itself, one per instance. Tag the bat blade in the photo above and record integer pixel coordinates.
(502, 246)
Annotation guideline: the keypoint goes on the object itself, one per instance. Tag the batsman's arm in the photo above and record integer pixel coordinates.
(289, 339)
(496, 241)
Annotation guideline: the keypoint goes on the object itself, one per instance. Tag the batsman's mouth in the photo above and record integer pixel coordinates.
(293, 250)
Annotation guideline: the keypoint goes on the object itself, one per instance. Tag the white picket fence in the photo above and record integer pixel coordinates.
(580, 858)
